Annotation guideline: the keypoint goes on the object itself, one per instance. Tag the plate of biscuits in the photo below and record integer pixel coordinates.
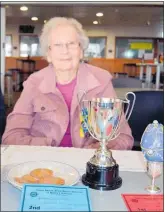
(43, 172)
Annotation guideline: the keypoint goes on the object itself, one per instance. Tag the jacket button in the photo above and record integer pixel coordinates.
(53, 143)
(42, 108)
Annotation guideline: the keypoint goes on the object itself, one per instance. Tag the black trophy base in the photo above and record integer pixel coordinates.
(102, 178)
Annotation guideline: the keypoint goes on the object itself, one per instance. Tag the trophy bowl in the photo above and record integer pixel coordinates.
(102, 119)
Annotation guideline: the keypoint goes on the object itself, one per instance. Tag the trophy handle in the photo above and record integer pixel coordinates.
(127, 115)
(129, 108)
(80, 99)
(82, 105)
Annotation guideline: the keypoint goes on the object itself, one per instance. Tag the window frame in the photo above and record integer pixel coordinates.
(11, 45)
(105, 49)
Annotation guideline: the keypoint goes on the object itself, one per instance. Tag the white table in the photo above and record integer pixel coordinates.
(149, 67)
(159, 69)
(131, 164)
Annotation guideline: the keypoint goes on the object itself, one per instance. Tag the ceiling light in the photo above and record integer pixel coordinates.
(95, 22)
(24, 8)
(45, 21)
(34, 19)
(99, 14)
(148, 23)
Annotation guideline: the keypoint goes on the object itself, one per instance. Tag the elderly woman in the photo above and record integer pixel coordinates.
(47, 112)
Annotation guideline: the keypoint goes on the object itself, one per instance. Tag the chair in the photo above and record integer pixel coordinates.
(161, 79)
(148, 107)
(130, 69)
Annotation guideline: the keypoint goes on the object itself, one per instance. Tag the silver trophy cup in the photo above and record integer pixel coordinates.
(102, 119)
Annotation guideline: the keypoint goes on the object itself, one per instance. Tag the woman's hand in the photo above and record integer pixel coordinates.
(93, 145)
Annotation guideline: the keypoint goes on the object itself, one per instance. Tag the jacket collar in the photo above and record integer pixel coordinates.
(48, 83)
(85, 80)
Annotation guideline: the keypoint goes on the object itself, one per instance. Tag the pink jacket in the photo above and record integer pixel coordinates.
(40, 116)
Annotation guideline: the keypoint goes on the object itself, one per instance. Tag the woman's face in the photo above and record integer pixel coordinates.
(65, 51)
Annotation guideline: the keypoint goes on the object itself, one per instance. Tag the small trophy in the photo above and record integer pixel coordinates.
(152, 145)
(102, 119)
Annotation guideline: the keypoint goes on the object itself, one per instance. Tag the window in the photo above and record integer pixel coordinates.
(134, 48)
(160, 47)
(29, 46)
(8, 46)
(96, 47)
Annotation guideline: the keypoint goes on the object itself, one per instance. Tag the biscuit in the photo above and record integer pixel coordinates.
(19, 180)
(26, 179)
(41, 172)
(52, 180)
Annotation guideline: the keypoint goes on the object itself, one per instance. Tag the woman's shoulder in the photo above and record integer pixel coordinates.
(36, 78)
(99, 73)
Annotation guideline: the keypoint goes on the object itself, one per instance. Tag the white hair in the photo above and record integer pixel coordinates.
(52, 24)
